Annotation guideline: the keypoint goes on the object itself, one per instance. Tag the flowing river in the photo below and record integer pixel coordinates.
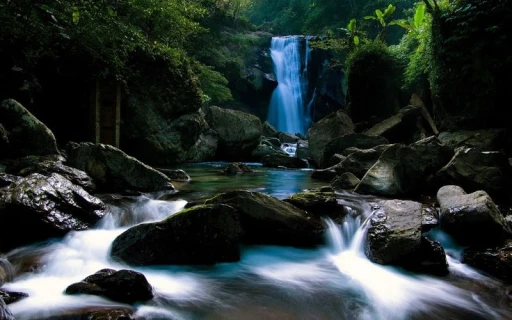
(334, 281)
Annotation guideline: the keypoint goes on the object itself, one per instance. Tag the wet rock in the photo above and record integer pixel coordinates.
(496, 260)
(205, 146)
(239, 132)
(320, 204)
(237, 167)
(125, 286)
(431, 258)
(334, 125)
(268, 220)
(175, 175)
(26, 135)
(94, 313)
(486, 140)
(11, 297)
(324, 174)
(394, 231)
(8, 179)
(6, 271)
(471, 218)
(46, 165)
(286, 137)
(47, 206)
(430, 218)
(113, 170)
(345, 181)
(302, 151)
(357, 140)
(200, 235)
(358, 162)
(269, 131)
(281, 160)
(5, 313)
(393, 128)
(335, 159)
(263, 150)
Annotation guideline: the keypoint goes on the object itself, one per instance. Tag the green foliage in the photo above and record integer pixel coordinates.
(213, 84)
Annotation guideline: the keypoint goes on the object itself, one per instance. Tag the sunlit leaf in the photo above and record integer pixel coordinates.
(419, 15)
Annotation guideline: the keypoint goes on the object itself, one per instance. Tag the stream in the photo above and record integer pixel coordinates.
(333, 281)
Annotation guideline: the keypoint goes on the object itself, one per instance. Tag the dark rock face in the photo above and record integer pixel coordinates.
(5, 313)
(239, 132)
(237, 167)
(200, 235)
(471, 218)
(6, 271)
(48, 206)
(268, 220)
(280, 160)
(357, 140)
(394, 231)
(345, 181)
(177, 175)
(125, 286)
(25, 134)
(94, 313)
(113, 170)
(46, 165)
(8, 179)
(485, 140)
(430, 258)
(494, 260)
(474, 169)
(359, 162)
(11, 297)
(334, 125)
(320, 204)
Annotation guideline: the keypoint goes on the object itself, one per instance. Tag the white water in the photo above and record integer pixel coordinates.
(287, 109)
(336, 281)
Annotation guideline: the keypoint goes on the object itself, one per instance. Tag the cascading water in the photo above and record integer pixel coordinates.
(336, 281)
(287, 109)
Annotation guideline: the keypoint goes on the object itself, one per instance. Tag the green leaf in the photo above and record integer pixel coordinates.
(419, 15)
(352, 26)
(75, 15)
(389, 11)
(370, 18)
(402, 23)
(379, 14)
(356, 40)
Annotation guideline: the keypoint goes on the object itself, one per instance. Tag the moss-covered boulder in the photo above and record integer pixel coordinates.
(113, 170)
(239, 132)
(23, 133)
(321, 204)
(268, 220)
(203, 234)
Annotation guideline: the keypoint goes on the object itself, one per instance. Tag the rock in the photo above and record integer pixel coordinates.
(431, 258)
(496, 260)
(485, 140)
(205, 147)
(336, 159)
(200, 235)
(324, 174)
(302, 151)
(4, 138)
(26, 135)
(175, 175)
(125, 286)
(264, 150)
(268, 220)
(474, 170)
(113, 170)
(359, 162)
(430, 218)
(335, 125)
(470, 218)
(275, 142)
(5, 313)
(393, 128)
(269, 131)
(48, 206)
(237, 167)
(404, 170)
(345, 181)
(394, 231)
(6, 271)
(11, 297)
(286, 137)
(280, 160)
(46, 165)
(357, 140)
(8, 179)
(320, 204)
(94, 313)
(239, 132)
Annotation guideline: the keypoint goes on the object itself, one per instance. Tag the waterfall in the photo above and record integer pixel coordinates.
(286, 112)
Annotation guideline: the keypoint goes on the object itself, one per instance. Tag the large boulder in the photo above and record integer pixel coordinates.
(6, 271)
(334, 125)
(125, 286)
(485, 140)
(473, 169)
(405, 170)
(268, 220)
(283, 160)
(239, 132)
(321, 204)
(46, 165)
(24, 134)
(345, 181)
(399, 127)
(496, 260)
(39, 207)
(394, 231)
(471, 218)
(113, 170)
(5, 313)
(155, 139)
(200, 235)
(359, 161)
(357, 140)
